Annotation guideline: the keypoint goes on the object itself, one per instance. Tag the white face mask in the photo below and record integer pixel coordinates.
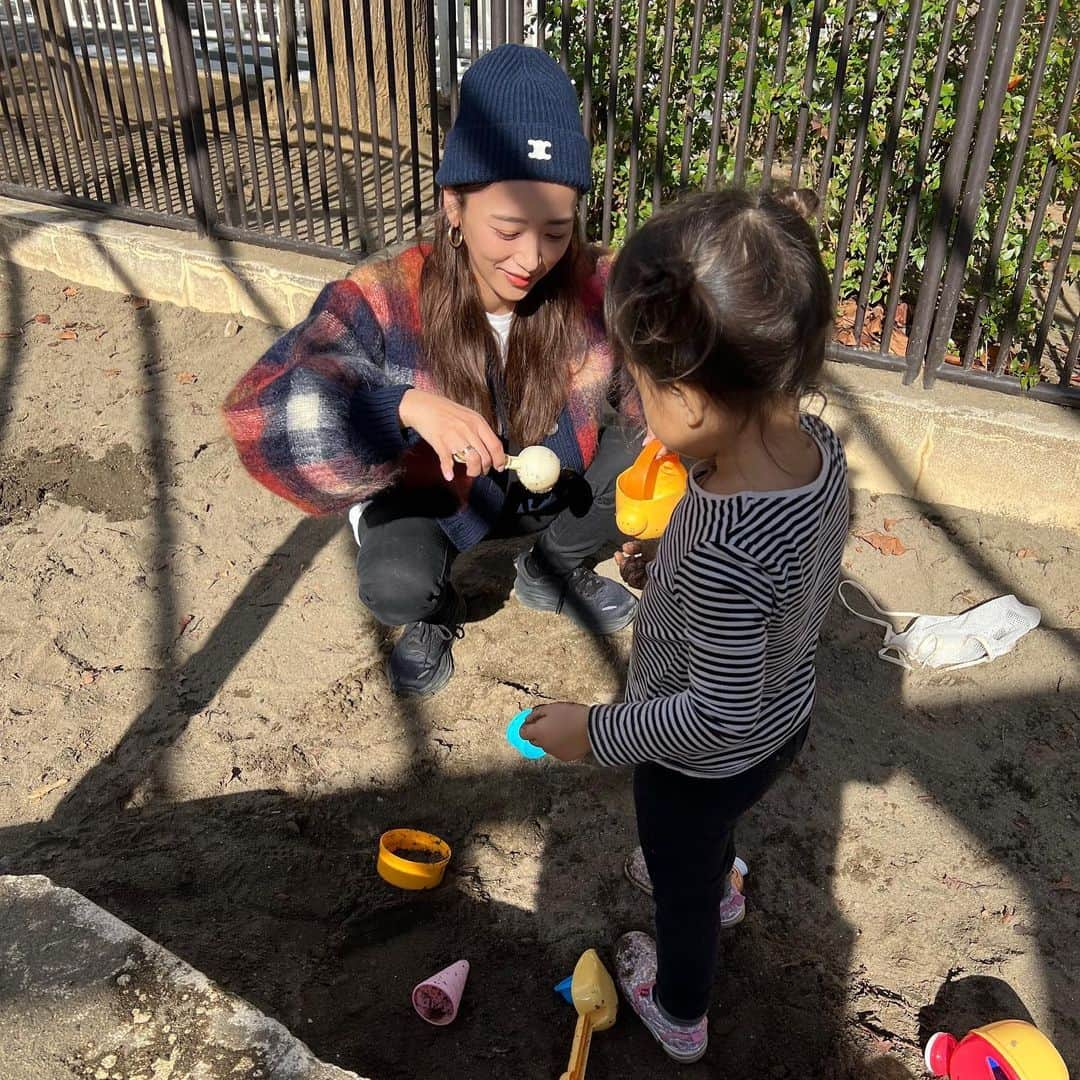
(950, 641)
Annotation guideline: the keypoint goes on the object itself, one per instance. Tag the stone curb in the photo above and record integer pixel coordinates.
(86, 996)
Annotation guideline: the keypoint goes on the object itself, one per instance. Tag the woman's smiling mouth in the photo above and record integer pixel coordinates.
(517, 280)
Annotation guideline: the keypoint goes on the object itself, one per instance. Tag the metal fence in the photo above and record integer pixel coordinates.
(316, 125)
(303, 124)
(942, 138)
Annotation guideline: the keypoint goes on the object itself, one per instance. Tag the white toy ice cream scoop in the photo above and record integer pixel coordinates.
(538, 468)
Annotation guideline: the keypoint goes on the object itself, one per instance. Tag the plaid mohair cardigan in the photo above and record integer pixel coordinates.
(316, 418)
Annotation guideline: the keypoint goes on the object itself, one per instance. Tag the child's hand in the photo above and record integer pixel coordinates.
(560, 728)
(633, 562)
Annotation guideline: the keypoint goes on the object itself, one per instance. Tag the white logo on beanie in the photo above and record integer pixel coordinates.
(539, 150)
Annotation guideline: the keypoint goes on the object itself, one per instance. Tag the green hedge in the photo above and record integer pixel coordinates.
(690, 105)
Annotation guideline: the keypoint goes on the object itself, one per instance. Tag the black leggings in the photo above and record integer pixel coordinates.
(687, 831)
(405, 557)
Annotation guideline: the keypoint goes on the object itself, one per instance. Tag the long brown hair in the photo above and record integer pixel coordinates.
(546, 343)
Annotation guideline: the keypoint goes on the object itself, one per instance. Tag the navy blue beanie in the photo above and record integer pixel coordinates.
(518, 119)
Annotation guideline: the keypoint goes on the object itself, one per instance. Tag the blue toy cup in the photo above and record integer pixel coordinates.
(513, 736)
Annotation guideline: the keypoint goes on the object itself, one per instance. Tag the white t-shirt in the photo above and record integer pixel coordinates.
(500, 324)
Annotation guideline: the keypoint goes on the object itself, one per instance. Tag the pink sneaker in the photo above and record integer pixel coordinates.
(732, 907)
(635, 972)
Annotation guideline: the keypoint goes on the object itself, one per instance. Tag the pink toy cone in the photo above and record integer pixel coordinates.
(437, 998)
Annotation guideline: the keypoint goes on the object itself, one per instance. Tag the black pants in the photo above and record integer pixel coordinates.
(405, 557)
(687, 831)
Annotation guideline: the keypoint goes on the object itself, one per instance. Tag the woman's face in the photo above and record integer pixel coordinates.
(514, 232)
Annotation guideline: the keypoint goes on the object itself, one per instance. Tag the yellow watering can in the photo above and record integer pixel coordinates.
(647, 493)
(596, 1003)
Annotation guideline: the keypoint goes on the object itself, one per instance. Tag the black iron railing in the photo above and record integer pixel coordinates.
(305, 124)
(941, 137)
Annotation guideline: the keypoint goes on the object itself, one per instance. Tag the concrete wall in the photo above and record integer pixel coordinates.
(164, 264)
(955, 445)
(958, 446)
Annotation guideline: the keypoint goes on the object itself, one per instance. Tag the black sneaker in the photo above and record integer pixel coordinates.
(422, 662)
(596, 604)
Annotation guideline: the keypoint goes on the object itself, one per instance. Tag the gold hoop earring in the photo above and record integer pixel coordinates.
(456, 238)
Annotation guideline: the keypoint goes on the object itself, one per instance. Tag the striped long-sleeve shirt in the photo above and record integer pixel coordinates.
(722, 670)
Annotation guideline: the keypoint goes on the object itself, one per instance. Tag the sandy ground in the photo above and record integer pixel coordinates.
(196, 733)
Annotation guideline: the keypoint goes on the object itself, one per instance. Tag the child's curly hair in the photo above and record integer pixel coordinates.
(725, 291)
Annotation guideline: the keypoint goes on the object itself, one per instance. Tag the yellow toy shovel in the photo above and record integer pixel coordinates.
(596, 1002)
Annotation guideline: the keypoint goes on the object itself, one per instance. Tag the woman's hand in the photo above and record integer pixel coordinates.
(560, 728)
(633, 562)
(449, 429)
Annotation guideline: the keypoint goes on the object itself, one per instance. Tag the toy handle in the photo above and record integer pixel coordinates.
(579, 1051)
(647, 465)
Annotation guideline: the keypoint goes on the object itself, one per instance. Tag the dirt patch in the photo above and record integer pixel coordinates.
(418, 856)
(432, 1003)
(114, 485)
(197, 733)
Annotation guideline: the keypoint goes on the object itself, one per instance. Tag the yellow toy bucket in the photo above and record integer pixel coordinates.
(411, 859)
(647, 493)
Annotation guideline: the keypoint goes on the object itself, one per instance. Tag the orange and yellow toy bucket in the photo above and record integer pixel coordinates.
(411, 859)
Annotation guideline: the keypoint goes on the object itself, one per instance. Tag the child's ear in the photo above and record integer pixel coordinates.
(693, 404)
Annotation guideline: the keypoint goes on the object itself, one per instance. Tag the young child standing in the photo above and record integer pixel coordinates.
(720, 307)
